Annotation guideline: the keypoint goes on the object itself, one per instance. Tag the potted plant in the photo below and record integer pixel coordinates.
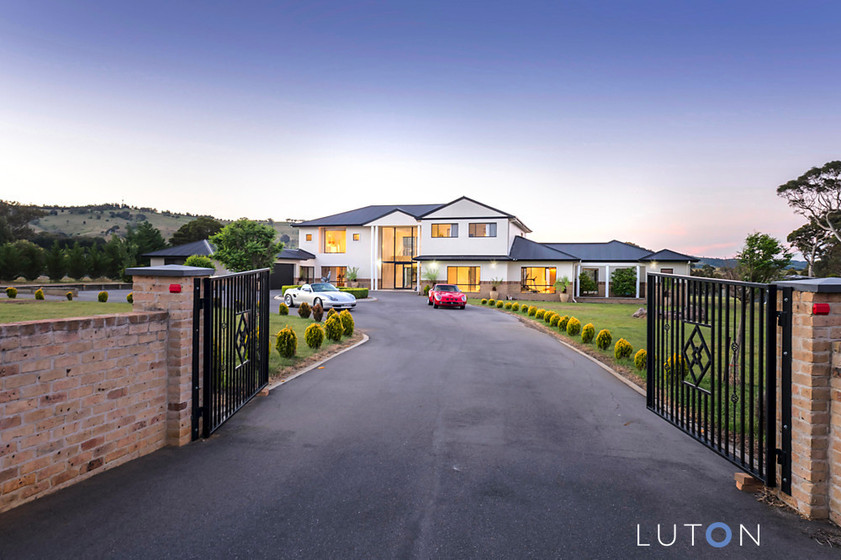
(561, 286)
(352, 276)
(430, 276)
(495, 282)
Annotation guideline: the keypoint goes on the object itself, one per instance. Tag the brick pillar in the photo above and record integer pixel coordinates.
(835, 435)
(170, 288)
(815, 438)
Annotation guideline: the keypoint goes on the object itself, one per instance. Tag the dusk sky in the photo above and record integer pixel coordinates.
(669, 124)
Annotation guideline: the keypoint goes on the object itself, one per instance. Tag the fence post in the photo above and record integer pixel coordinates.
(815, 398)
(170, 288)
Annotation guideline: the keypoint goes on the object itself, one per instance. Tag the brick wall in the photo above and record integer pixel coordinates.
(78, 396)
(835, 435)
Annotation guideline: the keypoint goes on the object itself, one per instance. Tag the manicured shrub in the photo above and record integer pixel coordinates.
(623, 349)
(515, 307)
(333, 328)
(562, 323)
(304, 310)
(491, 302)
(102, 296)
(525, 309)
(200, 261)
(508, 305)
(11, 292)
(69, 296)
(287, 342)
(428, 287)
(553, 322)
(484, 301)
(284, 288)
(539, 314)
(130, 297)
(532, 310)
(573, 326)
(283, 309)
(499, 304)
(358, 293)
(603, 339)
(347, 322)
(587, 333)
(675, 366)
(317, 312)
(314, 336)
(641, 359)
(331, 312)
(39, 294)
(548, 317)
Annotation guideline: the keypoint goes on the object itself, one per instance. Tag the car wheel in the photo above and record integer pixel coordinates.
(463, 306)
(429, 302)
(435, 306)
(287, 299)
(317, 301)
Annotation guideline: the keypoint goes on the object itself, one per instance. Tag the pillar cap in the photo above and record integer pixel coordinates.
(172, 270)
(818, 285)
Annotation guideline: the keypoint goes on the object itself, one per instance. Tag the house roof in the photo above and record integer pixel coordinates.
(362, 216)
(295, 255)
(523, 249)
(611, 251)
(204, 248)
(668, 255)
(514, 218)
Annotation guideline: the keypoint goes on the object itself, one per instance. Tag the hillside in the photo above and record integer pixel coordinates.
(731, 263)
(103, 220)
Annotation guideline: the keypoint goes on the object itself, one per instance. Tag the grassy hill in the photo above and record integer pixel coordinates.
(103, 220)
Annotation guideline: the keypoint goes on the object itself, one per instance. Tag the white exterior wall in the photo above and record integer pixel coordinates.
(357, 253)
(514, 231)
(680, 268)
(487, 270)
(464, 244)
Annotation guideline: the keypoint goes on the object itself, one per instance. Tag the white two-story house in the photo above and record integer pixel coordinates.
(462, 242)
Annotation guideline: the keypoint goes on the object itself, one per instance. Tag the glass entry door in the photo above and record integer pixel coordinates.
(406, 276)
(397, 247)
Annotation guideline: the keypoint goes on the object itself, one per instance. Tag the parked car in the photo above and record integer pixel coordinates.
(448, 295)
(324, 293)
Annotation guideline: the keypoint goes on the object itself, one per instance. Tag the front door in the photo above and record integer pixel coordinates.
(405, 276)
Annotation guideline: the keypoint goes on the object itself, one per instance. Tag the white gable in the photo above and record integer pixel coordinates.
(396, 218)
(464, 208)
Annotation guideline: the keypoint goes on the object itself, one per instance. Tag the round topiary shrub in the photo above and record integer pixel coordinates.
(484, 301)
(314, 336)
(39, 294)
(515, 307)
(331, 312)
(603, 339)
(304, 310)
(333, 328)
(548, 317)
(539, 314)
(641, 359)
(284, 309)
(287, 342)
(102, 296)
(491, 302)
(587, 333)
(499, 304)
(532, 311)
(11, 292)
(347, 322)
(573, 326)
(130, 297)
(317, 312)
(623, 349)
(675, 366)
(553, 322)
(525, 309)
(69, 296)
(562, 323)
(508, 305)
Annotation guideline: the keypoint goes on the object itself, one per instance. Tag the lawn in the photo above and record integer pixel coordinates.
(12, 311)
(615, 317)
(277, 322)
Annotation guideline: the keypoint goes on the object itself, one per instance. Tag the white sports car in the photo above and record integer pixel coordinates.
(325, 294)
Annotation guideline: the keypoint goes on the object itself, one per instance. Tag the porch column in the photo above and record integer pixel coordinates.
(638, 281)
(577, 280)
(375, 270)
(417, 252)
(607, 280)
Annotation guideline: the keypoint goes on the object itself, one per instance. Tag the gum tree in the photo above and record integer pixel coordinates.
(817, 195)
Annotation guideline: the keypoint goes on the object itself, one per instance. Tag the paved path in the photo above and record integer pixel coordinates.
(451, 434)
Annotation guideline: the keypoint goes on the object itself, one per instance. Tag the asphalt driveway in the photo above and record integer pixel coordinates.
(450, 434)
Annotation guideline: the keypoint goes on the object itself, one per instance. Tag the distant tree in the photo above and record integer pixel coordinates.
(32, 259)
(284, 238)
(199, 260)
(246, 245)
(762, 258)
(76, 263)
(704, 271)
(96, 262)
(11, 262)
(811, 240)
(830, 262)
(14, 220)
(143, 239)
(817, 195)
(56, 263)
(117, 258)
(202, 227)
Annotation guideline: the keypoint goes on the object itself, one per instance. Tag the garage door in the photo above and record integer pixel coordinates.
(282, 275)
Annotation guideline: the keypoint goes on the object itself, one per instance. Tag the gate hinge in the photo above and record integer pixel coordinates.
(780, 454)
(780, 316)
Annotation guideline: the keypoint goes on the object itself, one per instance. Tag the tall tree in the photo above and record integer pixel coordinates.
(246, 245)
(56, 263)
(11, 262)
(117, 258)
(817, 195)
(96, 262)
(762, 258)
(32, 259)
(14, 220)
(76, 264)
(812, 241)
(143, 239)
(202, 227)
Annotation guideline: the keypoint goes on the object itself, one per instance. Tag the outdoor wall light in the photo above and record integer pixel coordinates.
(820, 309)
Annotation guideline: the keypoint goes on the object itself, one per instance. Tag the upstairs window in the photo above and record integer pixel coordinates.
(334, 241)
(483, 230)
(309, 237)
(356, 237)
(444, 230)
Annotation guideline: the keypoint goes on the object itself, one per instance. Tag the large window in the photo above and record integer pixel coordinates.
(334, 274)
(334, 241)
(483, 230)
(307, 275)
(465, 277)
(537, 279)
(444, 230)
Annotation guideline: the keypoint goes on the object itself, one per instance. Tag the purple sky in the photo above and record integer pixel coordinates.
(669, 124)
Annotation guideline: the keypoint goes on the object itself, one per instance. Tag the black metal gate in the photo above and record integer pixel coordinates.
(712, 367)
(230, 345)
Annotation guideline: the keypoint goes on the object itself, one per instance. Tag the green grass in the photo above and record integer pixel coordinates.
(277, 322)
(12, 311)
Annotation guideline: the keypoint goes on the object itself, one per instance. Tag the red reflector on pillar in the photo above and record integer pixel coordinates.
(820, 309)
(176, 289)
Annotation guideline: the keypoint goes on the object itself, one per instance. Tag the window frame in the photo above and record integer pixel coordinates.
(453, 233)
(343, 244)
(538, 288)
(466, 288)
(490, 228)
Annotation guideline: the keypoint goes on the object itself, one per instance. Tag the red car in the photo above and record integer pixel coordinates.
(447, 295)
